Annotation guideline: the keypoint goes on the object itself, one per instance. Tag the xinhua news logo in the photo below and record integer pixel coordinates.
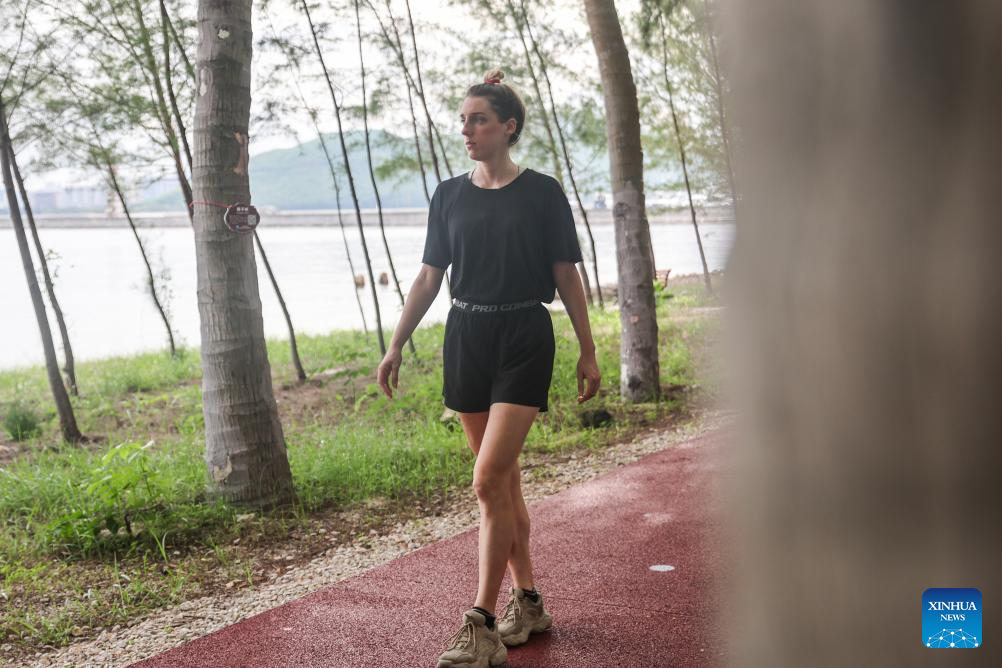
(951, 618)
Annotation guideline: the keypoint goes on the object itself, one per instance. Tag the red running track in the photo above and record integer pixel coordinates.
(592, 548)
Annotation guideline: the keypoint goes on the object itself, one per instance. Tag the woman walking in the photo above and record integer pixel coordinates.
(508, 233)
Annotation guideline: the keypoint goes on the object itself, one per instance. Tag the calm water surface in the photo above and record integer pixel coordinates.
(101, 284)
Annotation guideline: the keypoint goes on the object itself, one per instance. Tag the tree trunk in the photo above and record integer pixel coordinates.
(169, 81)
(424, 101)
(398, 51)
(865, 303)
(297, 363)
(721, 119)
(70, 367)
(67, 421)
(351, 179)
(640, 376)
(372, 171)
(681, 150)
(551, 142)
(151, 281)
(244, 444)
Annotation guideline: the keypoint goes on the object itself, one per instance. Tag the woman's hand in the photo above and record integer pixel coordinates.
(389, 368)
(588, 369)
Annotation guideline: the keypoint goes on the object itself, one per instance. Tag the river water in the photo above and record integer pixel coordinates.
(101, 285)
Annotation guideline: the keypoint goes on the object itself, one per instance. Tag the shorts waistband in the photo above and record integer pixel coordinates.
(492, 308)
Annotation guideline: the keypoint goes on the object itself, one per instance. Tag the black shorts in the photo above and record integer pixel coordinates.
(497, 356)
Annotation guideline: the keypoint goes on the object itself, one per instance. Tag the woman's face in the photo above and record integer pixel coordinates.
(484, 134)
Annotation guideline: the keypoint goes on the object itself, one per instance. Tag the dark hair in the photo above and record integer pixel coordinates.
(503, 99)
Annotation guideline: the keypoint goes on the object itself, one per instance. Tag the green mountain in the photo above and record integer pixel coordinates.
(299, 177)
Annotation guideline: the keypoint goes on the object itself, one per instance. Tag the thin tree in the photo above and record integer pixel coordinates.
(421, 95)
(640, 379)
(347, 169)
(293, 62)
(719, 100)
(102, 155)
(372, 171)
(567, 157)
(245, 448)
(397, 50)
(681, 147)
(293, 347)
(69, 368)
(67, 420)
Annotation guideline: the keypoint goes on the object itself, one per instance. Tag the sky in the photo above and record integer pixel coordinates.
(342, 59)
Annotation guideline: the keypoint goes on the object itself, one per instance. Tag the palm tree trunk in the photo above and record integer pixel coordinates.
(681, 149)
(640, 379)
(244, 443)
(67, 421)
(70, 367)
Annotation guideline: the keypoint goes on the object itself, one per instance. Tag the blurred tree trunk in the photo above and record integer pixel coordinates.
(865, 297)
(67, 421)
(244, 444)
(640, 377)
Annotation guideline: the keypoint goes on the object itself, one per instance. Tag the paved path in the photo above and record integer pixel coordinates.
(593, 546)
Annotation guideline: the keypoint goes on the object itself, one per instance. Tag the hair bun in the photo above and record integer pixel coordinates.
(494, 74)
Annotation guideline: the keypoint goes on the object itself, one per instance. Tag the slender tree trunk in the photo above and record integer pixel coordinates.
(351, 180)
(70, 367)
(372, 171)
(148, 62)
(551, 142)
(67, 421)
(421, 96)
(330, 166)
(397, 50)
(640, 379)
(681, 149)
(151, 281)
(245, 447)
(866, 304)
(718, 88)
(169, 83)
(179, 46)
(396, 45)
(567, 158)
(340, 221)
(293, 348)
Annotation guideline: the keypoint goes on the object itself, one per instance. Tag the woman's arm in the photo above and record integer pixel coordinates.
(419, 299)
(568, 282)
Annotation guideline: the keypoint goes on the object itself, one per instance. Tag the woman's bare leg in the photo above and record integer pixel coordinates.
(504, 527)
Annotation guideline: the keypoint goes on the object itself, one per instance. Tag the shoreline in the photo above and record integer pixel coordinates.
(328, 218)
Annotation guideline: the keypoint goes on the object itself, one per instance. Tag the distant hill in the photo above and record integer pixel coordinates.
(299, 177)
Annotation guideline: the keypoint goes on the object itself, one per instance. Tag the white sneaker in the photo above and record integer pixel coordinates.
(521, 617)
(474, 645)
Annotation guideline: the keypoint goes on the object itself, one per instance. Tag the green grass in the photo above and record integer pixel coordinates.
(123, 502)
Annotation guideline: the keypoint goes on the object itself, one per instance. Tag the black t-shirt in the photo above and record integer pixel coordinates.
(502, 242)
